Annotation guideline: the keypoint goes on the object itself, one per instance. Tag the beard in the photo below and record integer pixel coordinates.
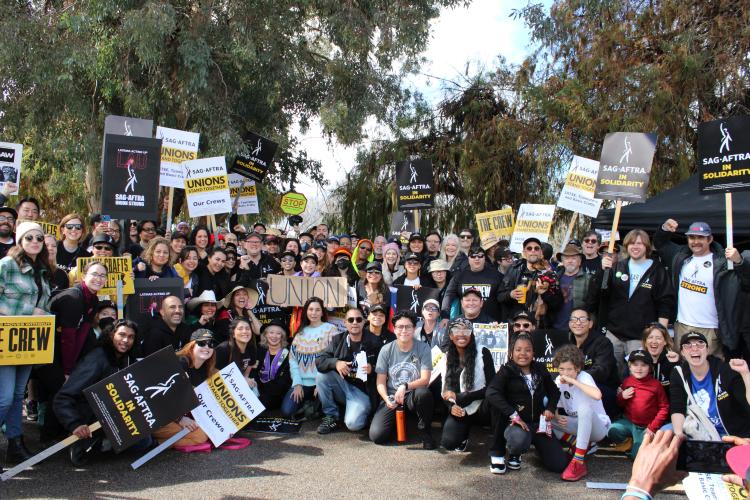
(5, 231)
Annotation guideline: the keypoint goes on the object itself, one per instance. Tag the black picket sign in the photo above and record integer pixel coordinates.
(724, 155)
(414, 184)
(254, 165)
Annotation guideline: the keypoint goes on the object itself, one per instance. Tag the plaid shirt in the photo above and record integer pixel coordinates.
(18, 291)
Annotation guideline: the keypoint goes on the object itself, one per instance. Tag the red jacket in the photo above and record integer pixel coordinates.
(649, 406)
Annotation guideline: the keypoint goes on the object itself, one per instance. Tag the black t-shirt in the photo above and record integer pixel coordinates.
(591, 266)
(4, 247)
(196, 375)
(225, 355)
(67, 260)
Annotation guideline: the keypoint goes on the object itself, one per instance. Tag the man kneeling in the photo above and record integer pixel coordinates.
(403, 369)
(337, 380)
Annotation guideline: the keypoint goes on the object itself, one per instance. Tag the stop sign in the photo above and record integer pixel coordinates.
(293, 203)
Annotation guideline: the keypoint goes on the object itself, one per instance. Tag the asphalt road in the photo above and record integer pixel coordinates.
(306, 465)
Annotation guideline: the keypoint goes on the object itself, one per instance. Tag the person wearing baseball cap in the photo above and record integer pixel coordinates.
(708, 291)
(429, 329)
(413, 266)
(523, 322)
(643, 401)
(372, 290)
(480, 275)
(723, 390)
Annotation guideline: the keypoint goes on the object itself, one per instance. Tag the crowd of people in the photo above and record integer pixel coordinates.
(657, 333)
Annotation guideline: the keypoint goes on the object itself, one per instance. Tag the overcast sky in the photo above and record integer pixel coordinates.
(475, 35)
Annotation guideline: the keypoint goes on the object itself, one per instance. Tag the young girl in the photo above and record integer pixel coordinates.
(581, 418)
(516, 396)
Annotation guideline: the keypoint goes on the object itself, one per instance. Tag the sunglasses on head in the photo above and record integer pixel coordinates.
(205, 343)
(357, 319)
(74, 226)
(31, 237)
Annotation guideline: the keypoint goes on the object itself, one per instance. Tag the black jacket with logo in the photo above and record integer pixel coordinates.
(599, 359)
(508, 392)
(340, 349)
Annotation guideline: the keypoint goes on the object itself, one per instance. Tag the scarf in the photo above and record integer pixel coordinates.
(271, 368)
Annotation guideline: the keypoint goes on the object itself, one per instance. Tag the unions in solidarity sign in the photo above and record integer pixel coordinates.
(255, 163)
(414, 184)
(625, 166)
(724, 155)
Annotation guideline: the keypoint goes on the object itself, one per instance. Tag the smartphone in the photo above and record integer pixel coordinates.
(704, 456)
(106, 218)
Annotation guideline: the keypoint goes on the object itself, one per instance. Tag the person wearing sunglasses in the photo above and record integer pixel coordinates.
(592, 260)
(69, 249)
(372, 290)
(478, 275)
(288, 263)
(362, 255)
(115, 352)
(8, 217)
(340, 368)
(523, 290)
(721, 391)
(24, 291)
(466, 240)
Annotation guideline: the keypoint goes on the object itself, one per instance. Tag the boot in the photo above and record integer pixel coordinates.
(17, 451)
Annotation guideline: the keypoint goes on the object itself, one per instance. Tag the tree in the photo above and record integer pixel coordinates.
(221, 68)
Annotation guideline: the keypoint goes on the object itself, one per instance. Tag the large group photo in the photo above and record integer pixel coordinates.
(517, 287)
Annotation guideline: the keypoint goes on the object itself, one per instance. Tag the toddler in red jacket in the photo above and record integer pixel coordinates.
(644, 403)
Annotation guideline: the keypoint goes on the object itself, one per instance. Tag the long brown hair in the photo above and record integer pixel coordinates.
(42, 260)
(187, 352)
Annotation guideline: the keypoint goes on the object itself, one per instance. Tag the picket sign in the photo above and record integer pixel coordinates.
(46, 453)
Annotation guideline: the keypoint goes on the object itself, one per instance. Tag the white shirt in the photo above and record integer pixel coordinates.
(695, 296)
(572, 398)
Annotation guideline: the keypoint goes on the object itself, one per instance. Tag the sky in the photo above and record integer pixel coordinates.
(476, 35)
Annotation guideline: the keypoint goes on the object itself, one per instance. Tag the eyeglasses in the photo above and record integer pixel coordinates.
(149, 229)
(533, 249)
(103, 247)
(205, 343)
(358, 319)
(590, 240)
(430, 309)
(403, 327)
(466, 237)
(521, 325)
(464, 332)
(476, 256)
(3, 218)
(698, 344)
(373, 271)
(366, 248)
(30, 237)
(99, 276)
(579, 319)
(76, 227)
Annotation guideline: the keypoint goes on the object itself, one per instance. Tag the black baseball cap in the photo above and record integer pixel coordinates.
(377, 308)
(202, 334)
(473, 290)
(416, 236)
(692, 336)
(412, 256)
(320, 244)
(374, 266)
(9, 210)
(524, 315)
(640, 355)
(310, 255)
(532, 240)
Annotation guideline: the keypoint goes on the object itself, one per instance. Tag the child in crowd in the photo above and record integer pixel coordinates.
(644, 403)
(580, 418)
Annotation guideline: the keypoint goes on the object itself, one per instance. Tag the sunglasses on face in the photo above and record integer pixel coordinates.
(373, 271)
(466, 237)
(102, 247)
(366, 248)
(476, 256)
(431, 309)
(77, 227)
(357, 319)
(30, 237)
(521, 325)
(533, 249)
(590, 240)
(149, 229)
(205, 343)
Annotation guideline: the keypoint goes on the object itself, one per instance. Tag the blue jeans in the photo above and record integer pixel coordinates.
(12, 386)
(289, 406)
(333, 390)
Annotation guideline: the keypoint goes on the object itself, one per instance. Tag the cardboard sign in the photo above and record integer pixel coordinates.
(414, 184)
(118, 268)
(27, 340)
(494, 226)
(207, 187)
(295, 290)
(411, 299)
(248, 201)
(533, 221)
(254, 165)
(625, 166)
(546, 343)
(403, 222)
(293, 203)
(134, 402)
(577, 194)
(50, 228)
(130, 177)
(225, 404)
(494, 337)
(177, 146)
(144, 305)
(724, 155)
(10, 164)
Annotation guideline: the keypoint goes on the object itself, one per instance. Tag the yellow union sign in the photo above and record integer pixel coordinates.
(26, 340)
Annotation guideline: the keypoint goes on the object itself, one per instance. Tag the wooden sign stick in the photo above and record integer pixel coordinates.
(615, 222)
(46, 453)
(120, 301)
(730, 226)
(170, 197)
(236, 202)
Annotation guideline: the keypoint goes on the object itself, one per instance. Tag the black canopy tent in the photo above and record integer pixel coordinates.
(683, 204)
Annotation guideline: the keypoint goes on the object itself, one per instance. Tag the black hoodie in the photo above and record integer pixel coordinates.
(508, 392)
(599, 359)
(161, 336)
(486, 281)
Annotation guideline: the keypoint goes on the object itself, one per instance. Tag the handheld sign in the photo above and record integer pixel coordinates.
(50, 228)
(143, 306)
(577, 194)
(226, 404)
(410, 298)
(533, 221)
(177, 146)
(207, 186)
(293, 203)
(493, 336)
(625, 166)
(414, 184)
(134, 402)
(118, 269)
(403, 222)
(130, 177)
(295, 290)
(494, 226)
(244, 194)
(27, 340)
(254, 164)
(10, 164)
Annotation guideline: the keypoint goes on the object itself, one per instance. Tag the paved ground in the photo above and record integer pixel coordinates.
(341, 465)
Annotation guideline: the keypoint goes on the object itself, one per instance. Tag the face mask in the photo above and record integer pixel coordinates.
(342, 264)
(304, 246)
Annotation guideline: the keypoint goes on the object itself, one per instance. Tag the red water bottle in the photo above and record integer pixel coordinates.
(400, 425)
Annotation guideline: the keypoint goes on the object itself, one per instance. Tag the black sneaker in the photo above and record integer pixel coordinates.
(32, 410)
(514, 462)
(497, 465)
(428, 443)
(463, 445)
(82, 450)
(328, 425)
